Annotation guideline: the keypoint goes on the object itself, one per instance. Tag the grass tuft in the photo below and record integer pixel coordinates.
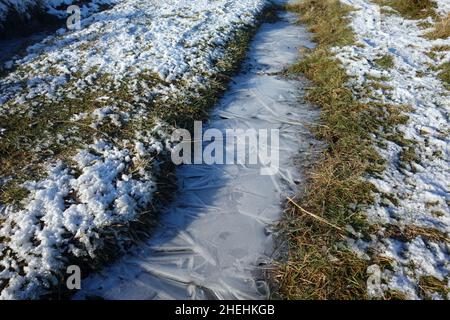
(412, 9)
(386, 62)
(429, 285)
(444, 74)
(441, 29)
(410, 232)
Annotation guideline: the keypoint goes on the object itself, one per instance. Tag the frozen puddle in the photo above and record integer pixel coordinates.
(215, 241)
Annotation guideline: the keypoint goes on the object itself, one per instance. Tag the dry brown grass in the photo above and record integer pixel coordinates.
(429, 285)
(385, 62)
(318, 268)
(441, 29)
(412, 9)
(444, 74)
(394, 295)
(410, 232)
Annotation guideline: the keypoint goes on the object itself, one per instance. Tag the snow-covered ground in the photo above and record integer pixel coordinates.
(156, 52)
(421, 189)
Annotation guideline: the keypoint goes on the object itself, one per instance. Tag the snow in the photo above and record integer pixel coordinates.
(65, 212)
(105, 196)
(443, 7)
(174, 46)
(415, 187)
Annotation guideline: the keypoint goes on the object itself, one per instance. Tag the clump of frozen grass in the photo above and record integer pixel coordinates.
(441, 30)
(412, 9)
(444, 73)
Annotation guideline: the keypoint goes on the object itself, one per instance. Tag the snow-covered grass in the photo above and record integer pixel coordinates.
(404, 232)
(441, 29)
(416, 177)
(84, 122)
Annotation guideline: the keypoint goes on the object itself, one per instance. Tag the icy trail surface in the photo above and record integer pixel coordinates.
(215, 240)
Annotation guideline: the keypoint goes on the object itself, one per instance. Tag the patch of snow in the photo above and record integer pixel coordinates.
(443, 6)
(65, 214)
